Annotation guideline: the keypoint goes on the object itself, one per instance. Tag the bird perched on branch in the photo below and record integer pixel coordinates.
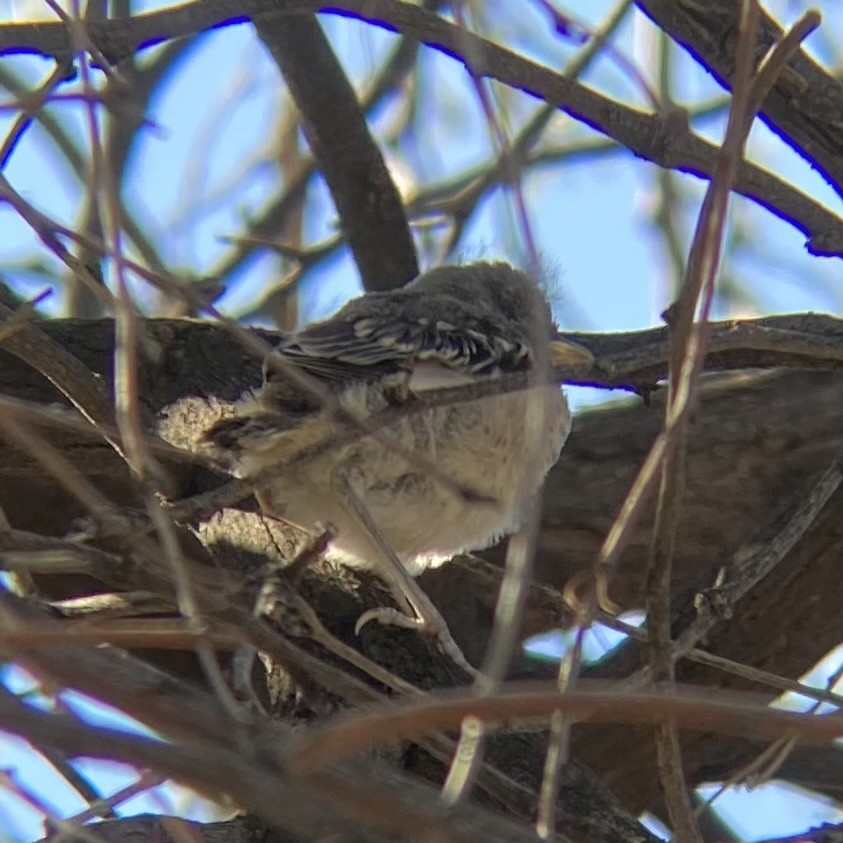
(407, 485)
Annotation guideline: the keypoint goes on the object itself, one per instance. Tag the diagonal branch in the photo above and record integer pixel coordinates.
(370, 208)
(804, 104)
(649, 136)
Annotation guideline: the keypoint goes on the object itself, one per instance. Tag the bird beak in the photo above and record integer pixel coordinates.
(567, 353)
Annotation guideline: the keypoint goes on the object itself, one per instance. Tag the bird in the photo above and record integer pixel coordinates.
(420, 483)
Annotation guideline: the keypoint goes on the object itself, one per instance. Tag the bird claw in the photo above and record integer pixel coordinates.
(388, 617)
(445, 643)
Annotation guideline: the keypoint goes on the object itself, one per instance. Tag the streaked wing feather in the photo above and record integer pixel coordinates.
(370, 348)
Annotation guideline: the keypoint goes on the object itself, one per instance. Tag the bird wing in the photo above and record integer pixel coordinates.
(374, 347)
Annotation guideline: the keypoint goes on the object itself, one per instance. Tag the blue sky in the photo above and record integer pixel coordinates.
(201, 167)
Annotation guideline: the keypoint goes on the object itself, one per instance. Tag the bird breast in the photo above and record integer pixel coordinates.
(499, 447)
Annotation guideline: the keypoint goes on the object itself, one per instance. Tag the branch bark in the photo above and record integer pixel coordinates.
(802, 105)
(370, 209)
(758, 440)
(652, 137)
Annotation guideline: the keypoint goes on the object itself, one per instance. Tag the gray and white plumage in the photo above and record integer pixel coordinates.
(452, 325)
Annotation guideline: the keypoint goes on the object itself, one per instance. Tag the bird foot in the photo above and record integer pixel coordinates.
(389, 617)
(437, 629)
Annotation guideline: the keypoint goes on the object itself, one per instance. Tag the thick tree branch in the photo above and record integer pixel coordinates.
(754, 443)
(759, 442)
(804, 104)
(366, 804)
(163, 829)
(370, 209)
(652, 137)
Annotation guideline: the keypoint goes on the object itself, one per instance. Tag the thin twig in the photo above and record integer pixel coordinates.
(128, 414)
(745, 671)
(689, 340)
(28, 111)
(260, 348)
(570, 665)
(73, 379)
(645, 134)
(687, 351)
(752, 564)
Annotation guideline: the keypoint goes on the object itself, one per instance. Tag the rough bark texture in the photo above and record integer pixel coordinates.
(757, 446)
(758, 442)
(709, 31)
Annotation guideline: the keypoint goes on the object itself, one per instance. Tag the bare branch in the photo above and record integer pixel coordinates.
(803, 103)
(649, 136)
(370, 209)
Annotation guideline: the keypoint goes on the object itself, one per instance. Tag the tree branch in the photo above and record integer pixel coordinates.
(649, 136)
(803, 105)
(370, 208)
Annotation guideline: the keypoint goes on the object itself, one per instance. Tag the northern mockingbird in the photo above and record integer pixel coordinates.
(390, 511)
